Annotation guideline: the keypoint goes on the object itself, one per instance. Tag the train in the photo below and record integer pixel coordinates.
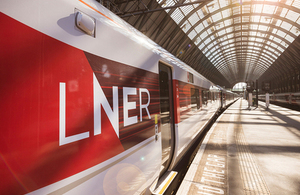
(90, 105)
(290, 100)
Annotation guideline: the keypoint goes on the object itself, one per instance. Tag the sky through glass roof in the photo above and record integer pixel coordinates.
(241, 38)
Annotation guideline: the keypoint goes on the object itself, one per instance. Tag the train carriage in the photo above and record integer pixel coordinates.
(89, 104)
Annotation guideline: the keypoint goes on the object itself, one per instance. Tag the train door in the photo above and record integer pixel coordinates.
(167, 116)
(195, 99)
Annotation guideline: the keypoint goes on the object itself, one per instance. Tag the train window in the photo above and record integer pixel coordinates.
(190, 77)
(195, 99)
(166, 114)
(209, 96)
(204, 97)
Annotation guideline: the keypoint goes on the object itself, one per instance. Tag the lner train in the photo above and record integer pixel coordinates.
(89, 105)
(289, 99)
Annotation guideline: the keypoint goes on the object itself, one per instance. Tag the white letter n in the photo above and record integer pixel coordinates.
(100, 99)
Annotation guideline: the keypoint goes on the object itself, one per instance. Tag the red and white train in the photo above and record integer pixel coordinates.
(89, 105)
(290, 99)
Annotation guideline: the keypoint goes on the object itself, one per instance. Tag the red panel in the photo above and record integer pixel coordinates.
(32, 66)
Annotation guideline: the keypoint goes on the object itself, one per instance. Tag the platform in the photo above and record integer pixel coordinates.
(248, 151)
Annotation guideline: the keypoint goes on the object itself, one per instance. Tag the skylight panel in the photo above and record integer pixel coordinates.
(177, 16)
(289, 2)
(225, 42)
(226, 13)
(269, 9)
(263, 27)
(274, 45)
(223, 3)
(276, 40)
(192, 34)
(271, 49)
(193, 19)
(259, 40)
(289, 38)
(210, 46)
(213, 49)
(296, 4)
(200, 13)
(255, 18)
(257, 8)
(291, 15)
(271, 54)
(201, 46)
(199, 28)
(286, 25)
(229, 30)
(254, 26)
(197, 40)
(298, 21)
(186, 9)
(216, 56)
(280, 33)
(228, 22)
(203, 35)
(252, 33)
(205, 24)
(213, 6)
(186, 26)
(219, 25)
(222, 32)
(237, 34)
(217, 17)
(278, 23)
(283, 13)
(236, 10)
(251, 39)
(231, 45)
(209, 31)
(295, 30)
(207, 41)
(230, 36)
(280, 49)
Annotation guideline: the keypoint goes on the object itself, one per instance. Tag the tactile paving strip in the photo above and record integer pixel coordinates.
(253, 181)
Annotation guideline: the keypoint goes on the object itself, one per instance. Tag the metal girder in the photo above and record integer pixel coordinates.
(261, 64)
(145, 11)
(241, 51)
(231, 62)
(159, 27)
(224, 47)
(237, 15)
(240, 31)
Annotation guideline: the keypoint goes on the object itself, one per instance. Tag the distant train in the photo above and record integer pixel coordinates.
(89, 105)
(291, 99)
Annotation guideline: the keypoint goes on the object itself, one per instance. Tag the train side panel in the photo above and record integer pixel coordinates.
(73, 118)
(81, 113)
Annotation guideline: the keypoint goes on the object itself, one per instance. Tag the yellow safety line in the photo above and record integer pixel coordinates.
(167, 184)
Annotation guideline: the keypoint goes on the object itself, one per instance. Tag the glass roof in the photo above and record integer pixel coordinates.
(242, 38)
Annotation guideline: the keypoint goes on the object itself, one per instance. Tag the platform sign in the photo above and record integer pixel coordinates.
(250, 86)
(266, 86)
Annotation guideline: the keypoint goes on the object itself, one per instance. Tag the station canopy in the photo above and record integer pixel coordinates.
(227, 41)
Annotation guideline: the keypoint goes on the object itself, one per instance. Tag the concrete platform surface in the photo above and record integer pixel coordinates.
(248, 151)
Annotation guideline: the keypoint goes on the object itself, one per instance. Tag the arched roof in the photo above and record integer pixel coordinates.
(227, 41)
